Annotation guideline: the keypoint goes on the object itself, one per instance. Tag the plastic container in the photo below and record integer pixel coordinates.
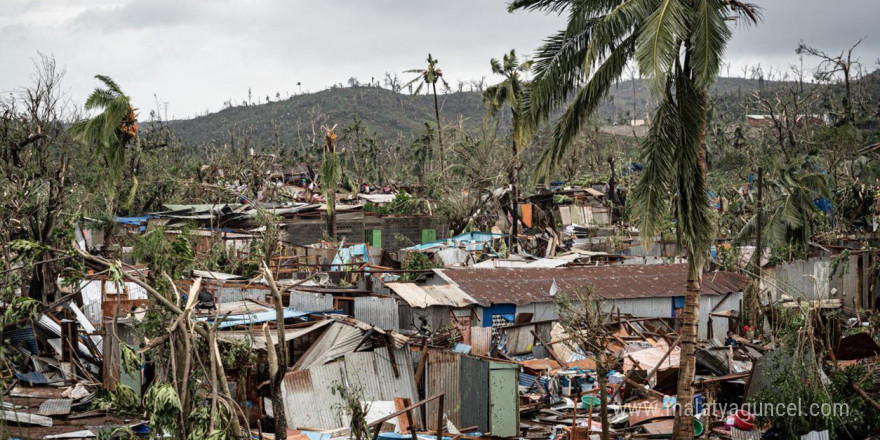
(744, 420)
(589, 401)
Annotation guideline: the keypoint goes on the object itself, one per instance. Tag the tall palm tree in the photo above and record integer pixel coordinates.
(112, 129)
(511, 91)
(430, 76)
(331, 175)
(678, 46)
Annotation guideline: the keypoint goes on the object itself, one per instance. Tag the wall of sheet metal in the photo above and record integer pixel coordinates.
(311, 302)
(474, 393)
(811, 279)
(228, 294)
(310, 403)
(481, 340)
(443, 376)
(374, 374)
(381, 312)
(309, 400)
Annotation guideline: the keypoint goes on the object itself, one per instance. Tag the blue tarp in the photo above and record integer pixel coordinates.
(344, 255)
(478, 238)
(506, 311)
(136, 221)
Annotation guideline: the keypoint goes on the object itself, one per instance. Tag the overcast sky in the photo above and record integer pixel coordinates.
(196, 54)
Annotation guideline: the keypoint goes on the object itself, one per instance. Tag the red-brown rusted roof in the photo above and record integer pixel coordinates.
(529, 285)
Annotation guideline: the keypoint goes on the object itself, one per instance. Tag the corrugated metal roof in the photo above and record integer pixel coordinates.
(339, 339)
(55, 407)
(530, 285)
(423, 296)
(258, 340)
(248, 313)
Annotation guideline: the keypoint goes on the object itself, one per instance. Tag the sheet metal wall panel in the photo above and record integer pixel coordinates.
(91, 297)
(311, 302)
(541, 311)
(481, 340)
(809, 279)
(475, 393)
(503, 399)
(519, 339)
(374, 372)
(308, 398)
(644, 307)
(381, 312)
(443, 376)
(229, 294)
(719, 325)
(436, 317)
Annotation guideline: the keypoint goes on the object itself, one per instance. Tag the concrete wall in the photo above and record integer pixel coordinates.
(397, 231)
(402, 231)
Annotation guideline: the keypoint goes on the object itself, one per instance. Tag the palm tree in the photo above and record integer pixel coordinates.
(430, 76)
(511, 91)
(678, 46)
(112, 129)
(331, 174)
(790, 209)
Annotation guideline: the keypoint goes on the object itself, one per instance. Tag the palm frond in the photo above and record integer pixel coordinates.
(584, 103)
(708, 41)
(650, 197)
(660, 40)
(695, 218)
(111, 85)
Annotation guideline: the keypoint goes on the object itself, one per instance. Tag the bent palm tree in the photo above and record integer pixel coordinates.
(430, 76)
(512, 92)
(678, 46)
(790, 210)
(112, 129)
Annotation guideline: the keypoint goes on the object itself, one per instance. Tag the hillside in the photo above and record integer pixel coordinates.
(392, 115)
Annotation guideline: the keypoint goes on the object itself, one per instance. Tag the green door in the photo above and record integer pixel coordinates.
(503, 400)
(429, 235)
(373, 237)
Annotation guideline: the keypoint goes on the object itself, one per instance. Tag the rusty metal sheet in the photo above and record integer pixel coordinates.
(309, 400)
(55, 407)
(443, 375)
(530, 285)
(481, 340)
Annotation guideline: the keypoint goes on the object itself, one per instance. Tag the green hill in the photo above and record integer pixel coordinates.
(402, 116)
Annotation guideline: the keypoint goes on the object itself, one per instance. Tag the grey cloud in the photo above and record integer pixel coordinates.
(196, 54)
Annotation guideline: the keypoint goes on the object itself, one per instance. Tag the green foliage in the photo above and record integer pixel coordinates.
(402, 204)
(175, 256)
(352, 396)
(417, 261)
(109, 131)
(163, 405)
(238, 356)
(21, 308)
(123, 401)
(130, 360)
